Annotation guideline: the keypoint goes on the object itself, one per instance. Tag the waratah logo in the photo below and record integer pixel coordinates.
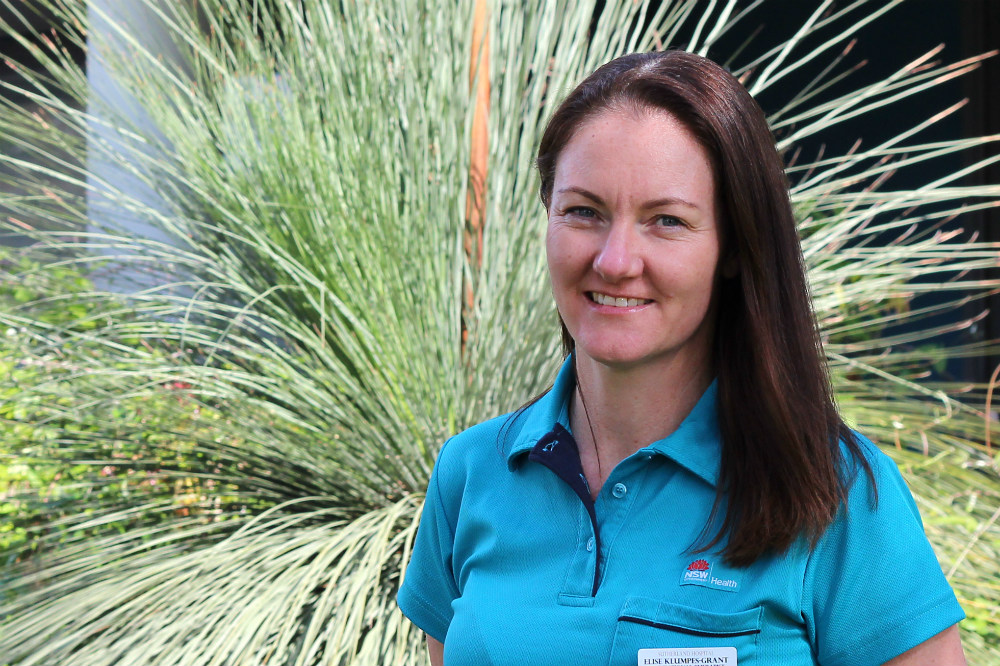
(698, 565)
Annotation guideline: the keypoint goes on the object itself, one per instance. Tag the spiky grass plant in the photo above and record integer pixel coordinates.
(353, 270)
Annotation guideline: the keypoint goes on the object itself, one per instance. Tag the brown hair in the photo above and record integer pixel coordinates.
(783, 473)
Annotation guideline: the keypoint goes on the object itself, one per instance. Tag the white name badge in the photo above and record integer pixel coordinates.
(725, 656)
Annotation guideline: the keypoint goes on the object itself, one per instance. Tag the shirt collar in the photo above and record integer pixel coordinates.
(541, 417)
(695, 445)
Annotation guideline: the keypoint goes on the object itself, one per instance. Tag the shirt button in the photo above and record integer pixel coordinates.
(590, 544)
(619, 490)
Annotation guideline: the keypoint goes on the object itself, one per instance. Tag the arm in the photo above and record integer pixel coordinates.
(428, 589)
(436, 651)
(944, 649)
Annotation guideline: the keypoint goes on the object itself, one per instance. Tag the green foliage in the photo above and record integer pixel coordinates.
(242, 438)
(24, 287)
(53, 466)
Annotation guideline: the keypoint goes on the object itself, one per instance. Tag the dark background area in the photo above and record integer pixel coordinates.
(11, 50)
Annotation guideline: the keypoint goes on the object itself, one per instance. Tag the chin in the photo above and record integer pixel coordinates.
(614, 358)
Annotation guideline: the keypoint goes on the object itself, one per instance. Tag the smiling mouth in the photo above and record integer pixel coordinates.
(616, 302)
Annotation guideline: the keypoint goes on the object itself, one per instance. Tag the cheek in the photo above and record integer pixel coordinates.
(559, 255)
(694, 277)
(549, 246)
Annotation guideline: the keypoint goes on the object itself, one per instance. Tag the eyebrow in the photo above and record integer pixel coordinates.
(655, 203)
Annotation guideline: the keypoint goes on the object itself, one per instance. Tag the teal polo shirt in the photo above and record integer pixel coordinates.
(514, 564)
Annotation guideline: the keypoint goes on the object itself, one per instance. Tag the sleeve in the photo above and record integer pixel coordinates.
(429, 587)
(873, 587)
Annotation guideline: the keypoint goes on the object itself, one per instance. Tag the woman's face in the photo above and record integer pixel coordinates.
(633, 241)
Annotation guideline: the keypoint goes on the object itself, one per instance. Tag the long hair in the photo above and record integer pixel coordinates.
(783, 473)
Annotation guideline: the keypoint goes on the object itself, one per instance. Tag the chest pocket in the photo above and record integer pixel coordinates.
(648, 623)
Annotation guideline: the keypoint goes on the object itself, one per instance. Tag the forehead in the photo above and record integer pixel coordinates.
(643, 151)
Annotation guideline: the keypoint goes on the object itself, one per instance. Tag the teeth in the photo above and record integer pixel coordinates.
(604, 299)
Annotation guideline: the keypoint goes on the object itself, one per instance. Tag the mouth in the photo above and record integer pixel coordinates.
(616, 301)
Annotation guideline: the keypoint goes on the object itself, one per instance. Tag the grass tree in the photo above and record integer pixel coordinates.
(229, 451)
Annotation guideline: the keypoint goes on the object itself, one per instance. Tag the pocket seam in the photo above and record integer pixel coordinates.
(684, 630)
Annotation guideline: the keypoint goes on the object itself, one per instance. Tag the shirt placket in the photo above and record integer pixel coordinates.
(598, 522)
(614, 505)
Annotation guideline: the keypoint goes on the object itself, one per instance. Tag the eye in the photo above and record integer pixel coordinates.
(581, 211)
(667, 222)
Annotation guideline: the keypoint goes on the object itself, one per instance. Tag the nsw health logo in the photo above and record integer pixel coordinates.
(699, 573)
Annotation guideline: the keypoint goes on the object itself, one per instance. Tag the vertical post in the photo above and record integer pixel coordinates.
(475, 202)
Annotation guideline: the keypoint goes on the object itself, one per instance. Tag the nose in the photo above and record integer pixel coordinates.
(619, 257)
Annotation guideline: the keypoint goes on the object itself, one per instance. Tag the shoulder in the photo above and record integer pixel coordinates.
(479, 453)
(482, 443)
(867, 451)
(881, 491)
(879, 514)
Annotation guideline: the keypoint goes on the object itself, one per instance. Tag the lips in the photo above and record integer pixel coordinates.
(616, 301)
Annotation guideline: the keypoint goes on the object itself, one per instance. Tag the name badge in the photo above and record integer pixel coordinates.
(726, 656)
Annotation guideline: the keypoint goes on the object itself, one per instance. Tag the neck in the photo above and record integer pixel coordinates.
(616, 411)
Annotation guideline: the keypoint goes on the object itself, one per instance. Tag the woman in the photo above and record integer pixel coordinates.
(686, 492)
